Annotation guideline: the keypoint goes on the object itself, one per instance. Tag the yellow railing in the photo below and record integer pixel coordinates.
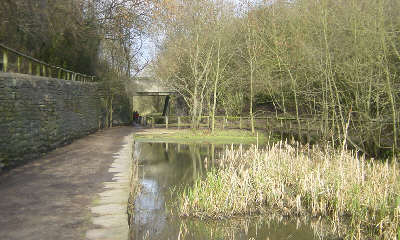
(29, 65)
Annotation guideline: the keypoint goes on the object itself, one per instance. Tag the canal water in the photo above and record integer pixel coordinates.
(165, 169)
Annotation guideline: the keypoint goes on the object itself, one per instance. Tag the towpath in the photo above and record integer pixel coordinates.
(51, 198)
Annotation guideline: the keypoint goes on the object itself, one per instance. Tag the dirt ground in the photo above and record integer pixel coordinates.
(49, 198)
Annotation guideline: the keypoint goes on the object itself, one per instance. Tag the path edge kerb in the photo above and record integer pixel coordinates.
(109, 210)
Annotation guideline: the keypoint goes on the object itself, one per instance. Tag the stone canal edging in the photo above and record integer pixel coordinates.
(110, 209)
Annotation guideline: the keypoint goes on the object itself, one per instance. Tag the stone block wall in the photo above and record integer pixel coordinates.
(38, 114)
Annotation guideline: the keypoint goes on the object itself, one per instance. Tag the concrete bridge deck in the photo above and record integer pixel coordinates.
(147, 86)
(53, 197)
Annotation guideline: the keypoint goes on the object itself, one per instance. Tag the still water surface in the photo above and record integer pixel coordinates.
(166, 166)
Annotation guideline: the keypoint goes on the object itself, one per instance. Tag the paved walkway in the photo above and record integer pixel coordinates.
(51, 198)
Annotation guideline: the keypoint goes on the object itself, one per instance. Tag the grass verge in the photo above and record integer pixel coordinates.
(339, 185)
(202, 136)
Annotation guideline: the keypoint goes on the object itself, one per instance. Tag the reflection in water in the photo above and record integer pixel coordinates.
(149, 213)
(168, 167)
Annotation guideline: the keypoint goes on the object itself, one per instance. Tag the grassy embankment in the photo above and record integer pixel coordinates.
(201, 136)
(345, 187)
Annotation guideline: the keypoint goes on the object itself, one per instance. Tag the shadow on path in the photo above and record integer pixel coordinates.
(49, 198)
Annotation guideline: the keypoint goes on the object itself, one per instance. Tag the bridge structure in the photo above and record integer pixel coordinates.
(147, 86)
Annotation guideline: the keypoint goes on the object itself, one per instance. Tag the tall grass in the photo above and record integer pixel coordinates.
(295, 180)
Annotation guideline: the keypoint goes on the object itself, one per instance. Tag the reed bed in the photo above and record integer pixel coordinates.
(363, 195)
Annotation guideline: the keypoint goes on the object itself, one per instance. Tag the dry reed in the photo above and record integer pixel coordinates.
(296, 180)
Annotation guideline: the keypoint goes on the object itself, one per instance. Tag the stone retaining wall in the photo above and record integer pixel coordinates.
(38, 114)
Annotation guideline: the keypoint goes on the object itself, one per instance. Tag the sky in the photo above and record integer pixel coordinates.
(149, 50)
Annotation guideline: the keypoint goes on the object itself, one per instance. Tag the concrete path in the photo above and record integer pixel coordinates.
(53, 197)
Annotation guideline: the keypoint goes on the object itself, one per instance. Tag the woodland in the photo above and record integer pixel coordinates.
(98, 38)
(336, 61)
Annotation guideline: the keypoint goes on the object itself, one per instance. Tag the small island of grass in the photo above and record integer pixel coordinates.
(202, 136)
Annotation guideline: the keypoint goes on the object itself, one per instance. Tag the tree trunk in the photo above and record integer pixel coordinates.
(111, 112)
(251, 96)
(194, 109)
(215, 89)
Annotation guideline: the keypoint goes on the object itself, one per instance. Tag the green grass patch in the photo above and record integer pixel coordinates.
(204, 136)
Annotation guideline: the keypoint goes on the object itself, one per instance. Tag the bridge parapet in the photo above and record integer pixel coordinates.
(147, 86)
